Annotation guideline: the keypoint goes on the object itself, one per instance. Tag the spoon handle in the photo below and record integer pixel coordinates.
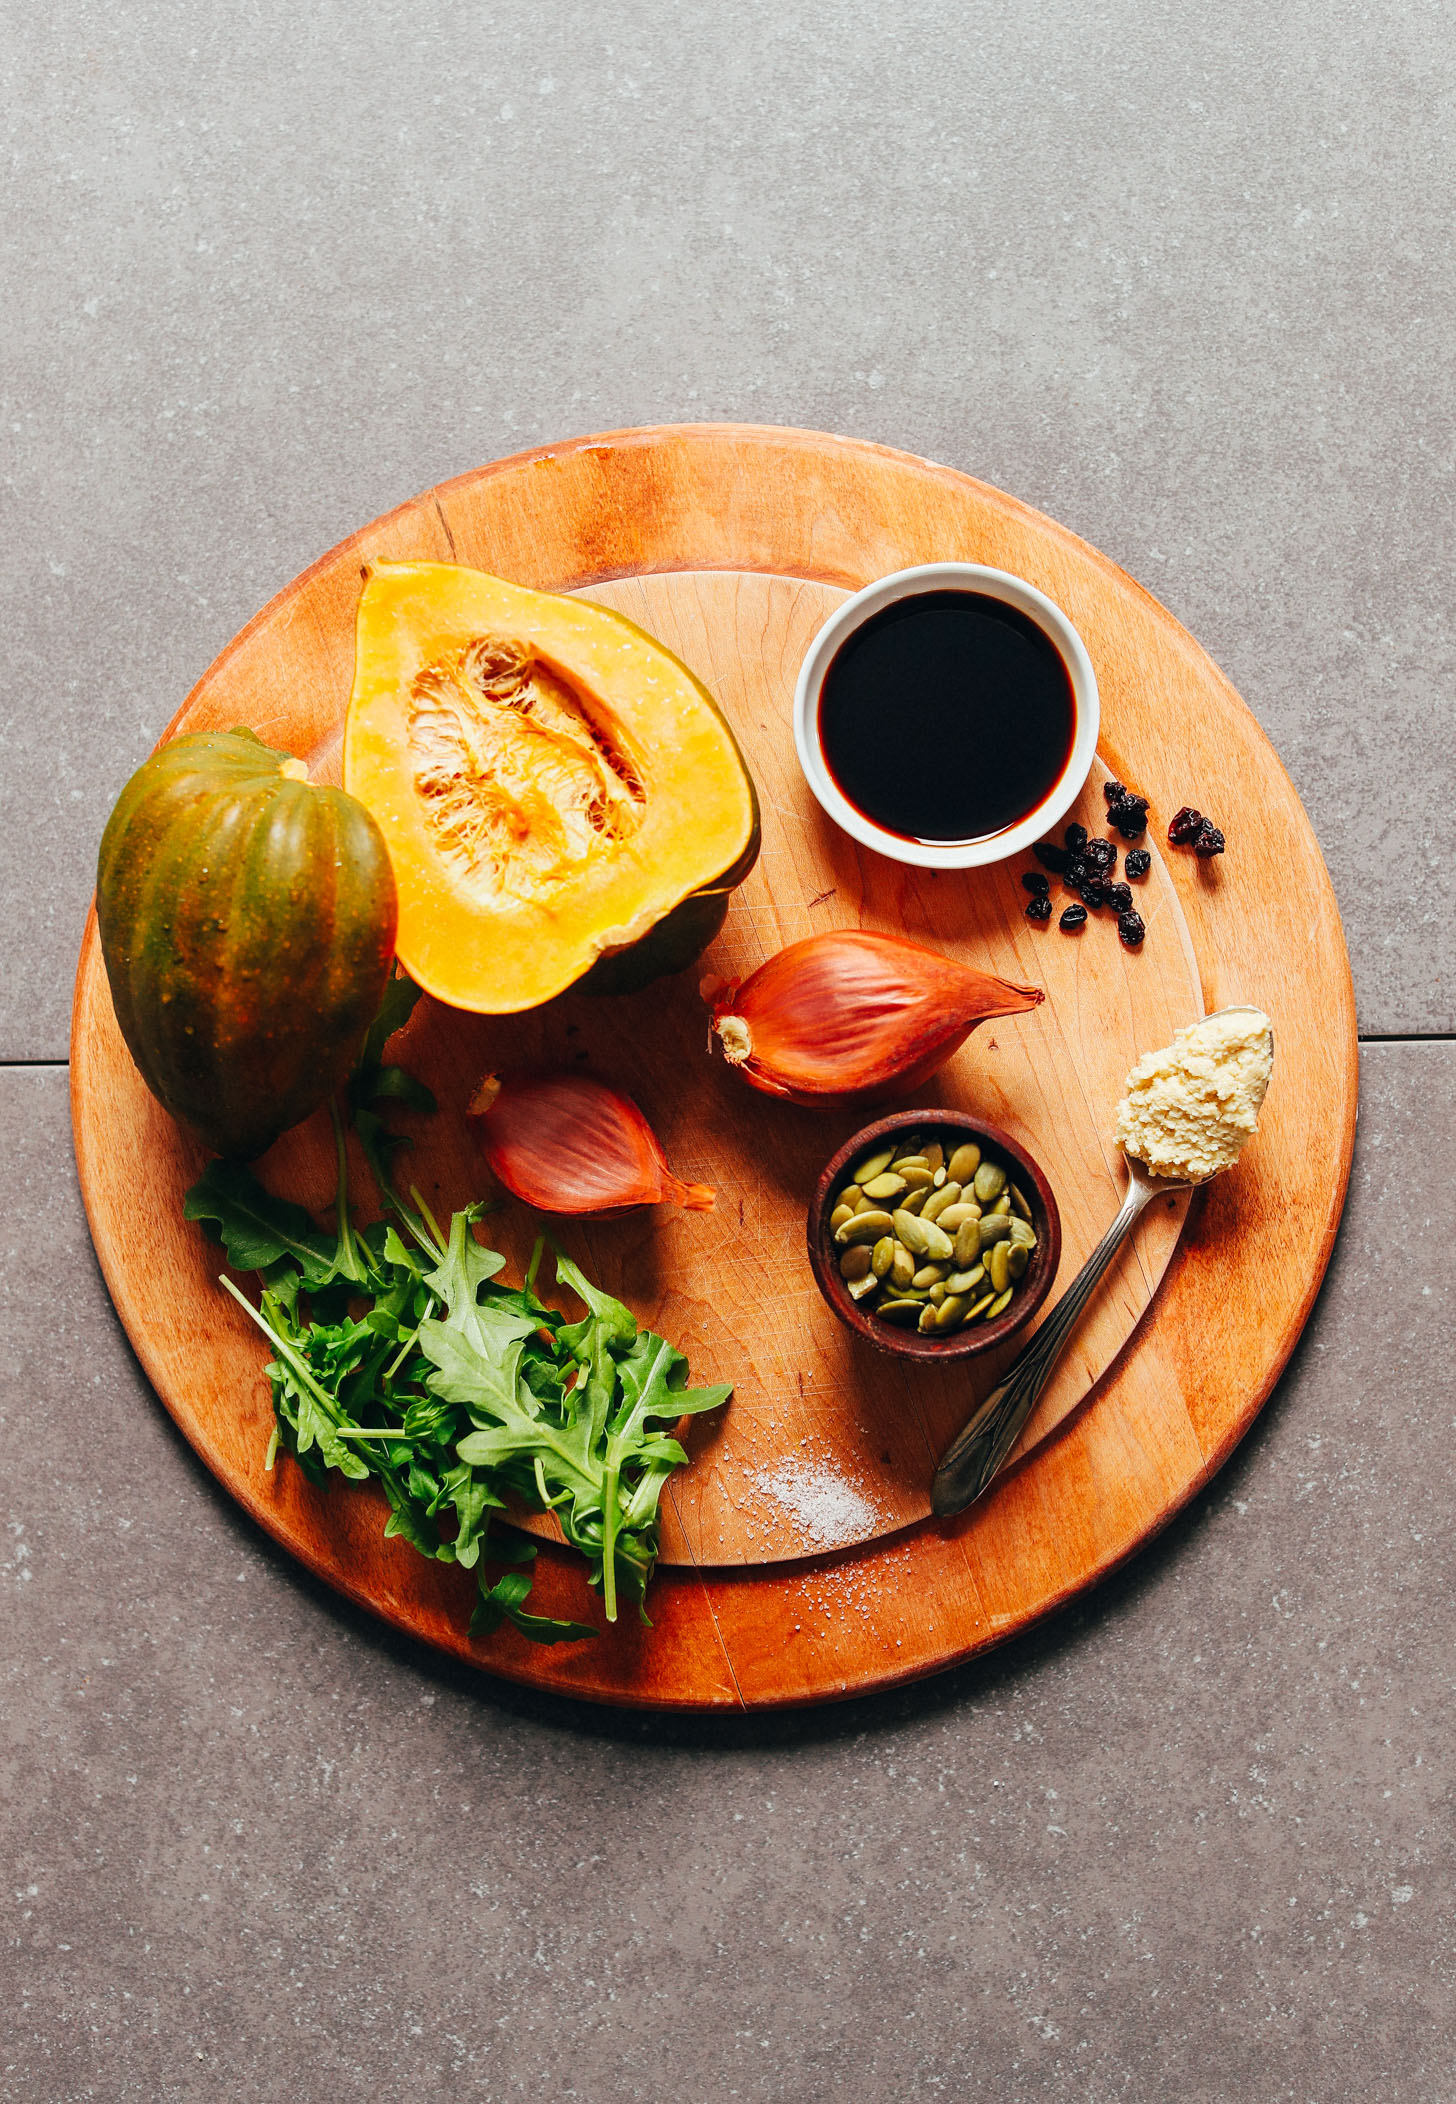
(976, 1453)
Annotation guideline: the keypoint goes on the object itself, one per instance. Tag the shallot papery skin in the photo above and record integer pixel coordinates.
(566, 1143)
(852, 1015)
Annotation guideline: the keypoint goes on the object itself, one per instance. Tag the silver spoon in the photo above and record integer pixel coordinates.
(977, 1453)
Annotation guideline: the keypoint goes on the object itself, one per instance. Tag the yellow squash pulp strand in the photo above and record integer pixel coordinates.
(520, 787)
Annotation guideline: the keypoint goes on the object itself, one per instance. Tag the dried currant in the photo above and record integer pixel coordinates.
(1137, 862)
(1184, 826)
(1114, 792)
(1130, 817)
(1076, 873)
(1050, 856)
(1072, 917)
(1209, 841)
(1130, 928)
(1033, 880)
(1101, 856)
(1094, 892)
(1075, 838)
(1119, 896)
(1039, 908)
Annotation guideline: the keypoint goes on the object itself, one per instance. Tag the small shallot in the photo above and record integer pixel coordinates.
(568, 1144)
(852, 1015)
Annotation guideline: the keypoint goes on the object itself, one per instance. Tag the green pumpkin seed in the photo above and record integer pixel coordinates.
(935, 1296)
(934, 1155)
(859, 1201)
(864, 1227)
(923, 1238)
(839, 1216)
(1018, 1199)
(862, 1288)
(855, 1262)
(990, 1181)
(901, 1311)
(968, 1241)
(999, 1305)
(928, 1275)
(979, 1307)
(1018, 1256)
(1003, 1205)
(915, 1179)
(902, 1268)
(913, 1201)
(873, 1165)
(1022, 1233)
(994, 1228)
(965, 1281)
(996, 1265)
(939, 1200)
(926, 1324)
(910, 1161)
(953, 1216)
(883, 1256)
(964, 1163)
(879, 1188)
(950, 1312)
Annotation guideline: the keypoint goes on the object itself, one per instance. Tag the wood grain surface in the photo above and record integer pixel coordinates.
(790, 521)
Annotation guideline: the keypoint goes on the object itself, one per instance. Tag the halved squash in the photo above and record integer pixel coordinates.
(559, 795)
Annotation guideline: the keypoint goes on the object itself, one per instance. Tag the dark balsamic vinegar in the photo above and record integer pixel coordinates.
(946, 717)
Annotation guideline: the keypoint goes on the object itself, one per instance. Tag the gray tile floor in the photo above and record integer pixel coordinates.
(1181, 276)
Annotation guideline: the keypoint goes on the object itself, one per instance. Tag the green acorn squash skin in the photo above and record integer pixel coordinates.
(247, 922)
(679, 938)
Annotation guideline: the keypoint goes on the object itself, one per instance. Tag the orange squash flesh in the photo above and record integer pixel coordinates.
(550, 781)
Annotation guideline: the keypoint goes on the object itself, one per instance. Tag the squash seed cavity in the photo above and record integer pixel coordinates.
(520, 784)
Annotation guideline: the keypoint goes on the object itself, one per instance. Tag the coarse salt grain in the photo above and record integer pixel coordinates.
(828, 1510)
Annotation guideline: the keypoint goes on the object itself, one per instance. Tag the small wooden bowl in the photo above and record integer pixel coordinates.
(953, 1126)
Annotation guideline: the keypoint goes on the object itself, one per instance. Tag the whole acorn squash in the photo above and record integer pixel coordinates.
(247, 922)
(562, 800)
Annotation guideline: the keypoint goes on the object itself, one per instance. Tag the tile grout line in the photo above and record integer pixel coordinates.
(1407, 1037)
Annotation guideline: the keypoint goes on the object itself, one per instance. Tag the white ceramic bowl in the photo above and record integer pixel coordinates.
(949, 577)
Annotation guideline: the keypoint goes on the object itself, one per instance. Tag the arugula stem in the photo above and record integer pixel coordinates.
(429, 1219)
(285, 1350)
(376, 1432)
(611, 1520)
(348, 1254)
(376, 1155)
(409, 1343)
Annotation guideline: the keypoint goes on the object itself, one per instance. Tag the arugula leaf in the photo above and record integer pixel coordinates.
(503, 1603)
(394, 1085)
(399, 1355)
(372, 1081)
(466, 1266)
(255, 1228)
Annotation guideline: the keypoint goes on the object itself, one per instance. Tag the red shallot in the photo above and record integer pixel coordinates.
(852, 1015)
(568, 1144)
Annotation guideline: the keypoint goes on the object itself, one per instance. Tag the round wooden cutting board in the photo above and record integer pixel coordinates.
(798, 1557)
